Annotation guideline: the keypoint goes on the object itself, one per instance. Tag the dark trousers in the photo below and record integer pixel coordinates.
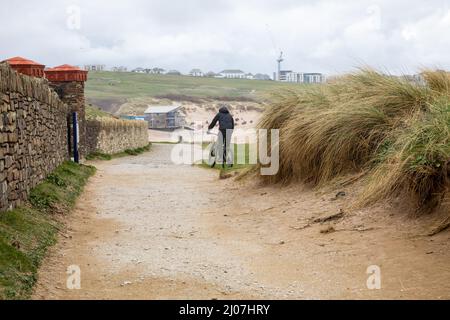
(225, 139)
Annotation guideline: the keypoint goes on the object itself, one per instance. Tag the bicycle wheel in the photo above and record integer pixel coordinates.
(212, 155)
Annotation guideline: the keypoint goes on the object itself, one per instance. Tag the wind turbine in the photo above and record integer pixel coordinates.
(279, 60)
(276, 48)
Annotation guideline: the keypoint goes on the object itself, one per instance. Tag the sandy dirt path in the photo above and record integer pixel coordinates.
(147, 229)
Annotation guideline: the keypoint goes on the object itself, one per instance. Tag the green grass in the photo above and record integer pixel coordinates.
(128, 152)
(26, 232)
(166, 142)
(235, 166)
(93, 112)
(124, 85)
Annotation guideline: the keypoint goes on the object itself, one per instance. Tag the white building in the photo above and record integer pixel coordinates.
(283, 75)
(196, 73)
(295, 77)
(261, 76)
(301, 77)
(232, 74)
(314, 77)
(138, 70)
(210, 74)
(94, 67)
(119, 69)
(156, 70)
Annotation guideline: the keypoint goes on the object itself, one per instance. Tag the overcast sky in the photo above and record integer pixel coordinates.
(400, 36)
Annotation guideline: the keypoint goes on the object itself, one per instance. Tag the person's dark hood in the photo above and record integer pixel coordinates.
(223, 110)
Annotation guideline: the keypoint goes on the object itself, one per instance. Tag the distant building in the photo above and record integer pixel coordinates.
(420, 79)
(138, 70)
(210, 74)
(174, 73)
(314, 77)
(156, 70)
(300, 77)
(232, 74)
(260, 76)
(119, 69)
(283, 75)
(249, 76)
(295, 77)
(196, 73)
(164, 117)
(94, 67)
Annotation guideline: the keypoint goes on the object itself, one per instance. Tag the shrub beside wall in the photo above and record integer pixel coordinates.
(110, 136)
(33, 134)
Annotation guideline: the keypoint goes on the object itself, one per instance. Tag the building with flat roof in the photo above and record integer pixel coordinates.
(94, 67)
(283, 75)
(164, 117)
(314, 77)
(301, 77)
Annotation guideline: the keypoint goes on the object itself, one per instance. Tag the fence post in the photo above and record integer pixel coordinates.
(76, 157)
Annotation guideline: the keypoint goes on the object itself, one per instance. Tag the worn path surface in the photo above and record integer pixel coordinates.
(147, 229)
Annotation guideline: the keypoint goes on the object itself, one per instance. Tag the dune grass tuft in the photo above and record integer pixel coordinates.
(393, 130)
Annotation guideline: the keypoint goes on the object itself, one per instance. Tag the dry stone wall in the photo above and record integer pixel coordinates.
(110, 136)
(33, 134)
(72, 93)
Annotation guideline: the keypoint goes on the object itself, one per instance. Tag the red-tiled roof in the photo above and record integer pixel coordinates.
(66, 73)
(22, 62)
(64, 67)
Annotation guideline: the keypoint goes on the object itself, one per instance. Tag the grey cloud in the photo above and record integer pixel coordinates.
(327, 36)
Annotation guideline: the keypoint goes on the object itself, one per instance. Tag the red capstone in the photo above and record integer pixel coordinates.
(66, 73)
(25, 66)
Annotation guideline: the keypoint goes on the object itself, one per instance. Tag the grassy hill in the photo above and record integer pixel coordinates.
(117, 86)
(93, 112)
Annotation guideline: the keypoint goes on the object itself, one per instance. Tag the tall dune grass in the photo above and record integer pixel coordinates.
(393, 130)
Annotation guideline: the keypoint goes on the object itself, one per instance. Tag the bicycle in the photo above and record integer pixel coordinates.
(213, 152)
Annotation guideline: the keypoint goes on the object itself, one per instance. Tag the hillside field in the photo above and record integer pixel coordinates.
(117, 87)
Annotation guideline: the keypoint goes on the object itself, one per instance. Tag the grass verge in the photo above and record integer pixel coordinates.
(26, 232)
(241, 158)
(93, 112)
(128, 152)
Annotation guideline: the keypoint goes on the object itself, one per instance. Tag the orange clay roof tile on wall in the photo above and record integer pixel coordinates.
(22, 61)
(25, 66)
(66, 73)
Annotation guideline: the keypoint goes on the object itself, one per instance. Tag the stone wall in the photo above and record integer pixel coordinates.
(33, 134)
(110, 136)
(72, 93)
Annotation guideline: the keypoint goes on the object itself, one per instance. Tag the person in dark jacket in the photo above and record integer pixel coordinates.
(226, 126)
